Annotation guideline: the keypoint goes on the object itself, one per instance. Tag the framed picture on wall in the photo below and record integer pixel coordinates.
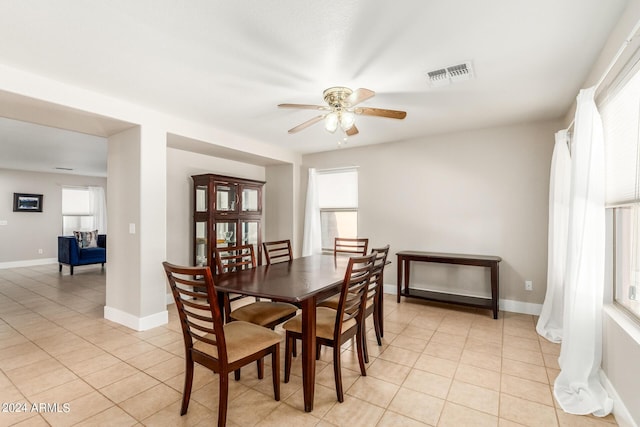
(27, 202)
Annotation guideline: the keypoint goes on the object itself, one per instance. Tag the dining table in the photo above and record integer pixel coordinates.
(302, 281)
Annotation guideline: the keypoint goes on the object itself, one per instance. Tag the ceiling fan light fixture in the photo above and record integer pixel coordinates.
(347, 120)
(331, 122)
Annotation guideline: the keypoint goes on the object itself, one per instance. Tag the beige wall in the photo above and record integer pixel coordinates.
(25, 233)
(479, 192)
(123, 208)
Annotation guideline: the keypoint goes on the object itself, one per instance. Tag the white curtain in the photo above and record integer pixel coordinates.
(311, 240)
(577, 388)
(98, 206)
(550, 320)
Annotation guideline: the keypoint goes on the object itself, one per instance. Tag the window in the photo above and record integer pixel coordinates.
(83, 209)
(620, 113)
(338, 202)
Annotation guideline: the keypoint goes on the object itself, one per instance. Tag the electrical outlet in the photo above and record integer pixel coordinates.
(528, 285)
(40, 251)
(632, 293)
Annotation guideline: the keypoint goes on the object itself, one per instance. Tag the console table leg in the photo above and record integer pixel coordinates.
(494, 289)
(399, 280)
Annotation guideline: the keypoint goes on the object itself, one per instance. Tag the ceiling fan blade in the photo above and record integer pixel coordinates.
(306, 124)
(304, 106)
(358, 96)
(352, 131)
(381, 112)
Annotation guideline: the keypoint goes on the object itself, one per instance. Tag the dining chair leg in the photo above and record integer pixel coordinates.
(188, 382)
(318, 349)
(380, 315)
(275, 371)
(260, 363)
(294, 349)
(236, 374)
(223, 398)
(360, 349)
(287, 356)
(364, 343)
(377, 323)
(336, 371)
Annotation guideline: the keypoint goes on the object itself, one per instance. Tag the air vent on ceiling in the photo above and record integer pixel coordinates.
(451, 74)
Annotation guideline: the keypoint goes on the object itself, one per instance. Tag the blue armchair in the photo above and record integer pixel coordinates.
(70, 253)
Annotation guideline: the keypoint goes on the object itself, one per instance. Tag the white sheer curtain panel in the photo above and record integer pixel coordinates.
(98, 206)
(311, 240)
(550, 320)
(577, 388)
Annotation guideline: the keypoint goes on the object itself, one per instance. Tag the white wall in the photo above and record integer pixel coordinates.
(26, 232)
(479, 192)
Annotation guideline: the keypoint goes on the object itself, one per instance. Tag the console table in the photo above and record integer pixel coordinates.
(404, 269)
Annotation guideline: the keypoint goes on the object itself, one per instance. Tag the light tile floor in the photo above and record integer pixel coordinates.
(438, 366)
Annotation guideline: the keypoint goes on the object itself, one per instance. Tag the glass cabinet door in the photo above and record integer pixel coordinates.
(201, 198)
(250, 199)
(226, 197)
(201, 243)
(250, 232)
(225, 234)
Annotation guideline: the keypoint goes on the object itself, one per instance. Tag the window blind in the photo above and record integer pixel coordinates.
(76, 201)
(621, 123)
(338, 188)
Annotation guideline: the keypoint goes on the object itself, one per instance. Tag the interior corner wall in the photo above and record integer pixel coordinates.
(123, 248)
(279, 211)
(27, 232)
(480, 192)
(181, 165)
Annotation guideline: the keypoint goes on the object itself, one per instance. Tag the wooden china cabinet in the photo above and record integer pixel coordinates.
(227, 212)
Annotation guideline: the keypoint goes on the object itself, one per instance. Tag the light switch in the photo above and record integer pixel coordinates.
(4, 222)
(132, 228)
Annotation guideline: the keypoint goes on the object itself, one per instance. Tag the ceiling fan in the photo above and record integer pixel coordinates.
(341, 110)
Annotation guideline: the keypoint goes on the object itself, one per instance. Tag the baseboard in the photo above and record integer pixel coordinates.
(505, 305)
(136, 323)
(28, 263)
(520, 307)
(620, 411)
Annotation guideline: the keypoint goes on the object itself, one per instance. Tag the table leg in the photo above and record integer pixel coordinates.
(407, 274)
(308, 351)
(494, 289)
(399, 279)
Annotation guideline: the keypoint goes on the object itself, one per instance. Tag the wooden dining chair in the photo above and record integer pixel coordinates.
(374, 297)
(212, 344)
(335, 327)
(263, 313)
(350, 246)
(277, 251)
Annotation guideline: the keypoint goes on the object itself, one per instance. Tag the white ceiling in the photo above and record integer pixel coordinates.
(229, 63)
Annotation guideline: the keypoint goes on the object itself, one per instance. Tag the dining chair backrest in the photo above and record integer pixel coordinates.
(378, 266)
(278, 251)
(353, 294)
(350, 246)
(197, 304)
(235, 258)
